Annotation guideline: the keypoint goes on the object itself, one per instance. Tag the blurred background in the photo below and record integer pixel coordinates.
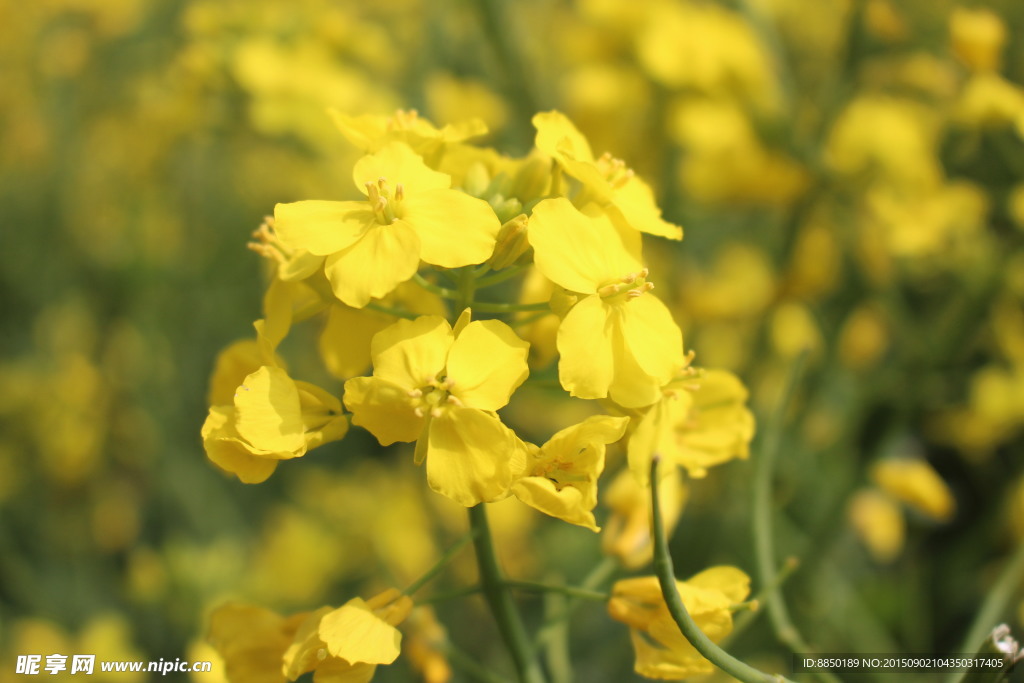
(850, 177)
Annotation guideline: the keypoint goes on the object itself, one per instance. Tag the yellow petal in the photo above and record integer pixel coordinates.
(652, 336)
(268, 414)
(455, 229)
(354, 633)
(251, 640)
(635, 201)
(918, 485)
(384, 256)
(577, 251)
(585, 365)
(469, 456)
(412, 353)
(730, 582)
(383, 408)
(226, 450)
(303, 655)
(487, 363)
(344, 343)
(233, 364)
(557, 136)
(566, 504)
(397, 163)
(322, 227)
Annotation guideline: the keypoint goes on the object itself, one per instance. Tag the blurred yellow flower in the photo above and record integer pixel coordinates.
(915, 483)
(977, 35)
(662, 651)
(878, 522)
(627, 532)
(441, 387)
(618, 341)
(560, 477)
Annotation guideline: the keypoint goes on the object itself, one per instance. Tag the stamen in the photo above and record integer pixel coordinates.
(414, 393)
(454, 401)
(399, 192)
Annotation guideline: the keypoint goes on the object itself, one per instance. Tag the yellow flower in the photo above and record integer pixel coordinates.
(560, 477)
(618, 341)
(372, 246)
(441, 387)
(878, 522)
(978, 36)
(346, 644)
(273, 418)
(252, 640)
(606, 181)
(627, 533)
(915, 483)
(342, 645)
(700, 422)
(370, 132)
(661, 649)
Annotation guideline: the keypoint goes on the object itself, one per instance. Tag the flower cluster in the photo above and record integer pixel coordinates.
(416, 281)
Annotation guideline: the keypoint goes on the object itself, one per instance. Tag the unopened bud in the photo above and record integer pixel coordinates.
(511, 243)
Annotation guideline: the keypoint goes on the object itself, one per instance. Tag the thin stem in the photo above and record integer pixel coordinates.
(556, 650)
(450, 595)
(470, 666)
(571, 591)
(667, 579)
(995, 604)
(597, 576)
(443, 562)
(397, 312)
(500, 276)
(487, 307)
(466, 291)
(435, 289)
(743, 622)
(764, 533)
(500, 600)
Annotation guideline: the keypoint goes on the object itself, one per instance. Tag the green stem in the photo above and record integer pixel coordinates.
(435, 289)
(500, 600)
(443, 562)
(500, 276)
(487, 307)
(764, 536)
(743, 622)
(470, 666)
(995, 604)
(571, 591)
(667, 579)
(449, 595)
(466, 291)
(397, 312)
(596, 577)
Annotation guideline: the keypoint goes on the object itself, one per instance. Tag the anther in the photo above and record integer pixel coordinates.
(454, 401)
(399, 192)
(418, 411)
(414, 393)
(436, 412)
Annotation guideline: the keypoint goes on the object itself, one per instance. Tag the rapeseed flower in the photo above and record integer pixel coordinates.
(272, 418)
(441, 387)
(700, 422)
(371, 246)
(560, 477)
(607, 182)
(618, 341)
(662, 651)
